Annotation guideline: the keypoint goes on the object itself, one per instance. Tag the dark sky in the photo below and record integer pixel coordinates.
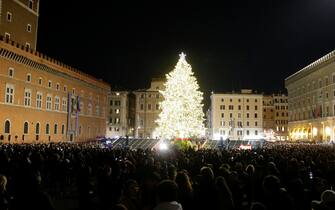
(238, 44)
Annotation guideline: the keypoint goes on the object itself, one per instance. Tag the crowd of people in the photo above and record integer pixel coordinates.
(276, 176)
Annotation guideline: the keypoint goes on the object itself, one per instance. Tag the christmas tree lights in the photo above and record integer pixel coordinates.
(182, 115)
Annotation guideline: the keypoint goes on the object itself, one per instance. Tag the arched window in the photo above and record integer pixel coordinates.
(56, 129)
(25, 128)
(47, 129)
(7, 126)
(37, 128)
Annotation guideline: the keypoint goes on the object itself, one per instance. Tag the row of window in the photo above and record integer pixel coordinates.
(150, 95)
(239, 115)
(239, 123)
(115, 103)
(37, 131)
(303, 102)
(231, 107)
(149, 106)
(239, 100)
(239, 133)
(9, 99)
(313, 85)
(39, 81)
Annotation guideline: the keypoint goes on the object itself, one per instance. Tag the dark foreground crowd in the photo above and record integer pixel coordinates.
(277, 176)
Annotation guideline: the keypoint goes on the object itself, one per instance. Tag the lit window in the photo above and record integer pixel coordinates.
(11, 72)
(9, 17)
(27, 97)
(57, 103)
(28, 27)
(39, 100)
(9, 94)
(27, 45)
(117, 111)
(64, 104)
(49, 102)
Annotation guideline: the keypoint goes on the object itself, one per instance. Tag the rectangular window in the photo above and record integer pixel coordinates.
(27, 97)
(11, 72)
(57, 86)
(55, 129)
(9, 94)
(149, 106)
(39, 100)
(256, 123)
(239, 107)
(117, 111)
(247, 115)
(57, 103)
(63, 129)
(141, 106)
(64, 104)
(222, 115)
(49, 103)
(247, 123)
(40, 81)
(247, 107)
(28, 77)
(157, 106)
(49, 84)
(255, 115)
(247, 132)
(256, 107)
(256, 132)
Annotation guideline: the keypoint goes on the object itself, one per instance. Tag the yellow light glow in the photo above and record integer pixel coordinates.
(328, 131)
(315, 131)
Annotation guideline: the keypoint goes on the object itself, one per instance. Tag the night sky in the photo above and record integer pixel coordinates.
(238, 44)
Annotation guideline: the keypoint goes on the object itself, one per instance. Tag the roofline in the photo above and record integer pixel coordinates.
(314, 64)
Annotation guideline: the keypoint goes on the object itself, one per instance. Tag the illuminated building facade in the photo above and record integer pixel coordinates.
(44, 100)
(121, 114)
(275, 117)
(237, 116)
(311, 101)
(19, 21)
(147, 109)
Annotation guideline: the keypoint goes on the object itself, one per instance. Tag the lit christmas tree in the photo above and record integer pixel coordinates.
(182, 115)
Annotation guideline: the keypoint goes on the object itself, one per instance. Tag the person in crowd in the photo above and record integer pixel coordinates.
(167, 192)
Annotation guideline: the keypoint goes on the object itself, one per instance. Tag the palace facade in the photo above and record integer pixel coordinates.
(311, 101)
(44, 100)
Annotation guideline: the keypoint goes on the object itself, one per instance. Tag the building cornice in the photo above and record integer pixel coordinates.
(38, 61)
(311, 68)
